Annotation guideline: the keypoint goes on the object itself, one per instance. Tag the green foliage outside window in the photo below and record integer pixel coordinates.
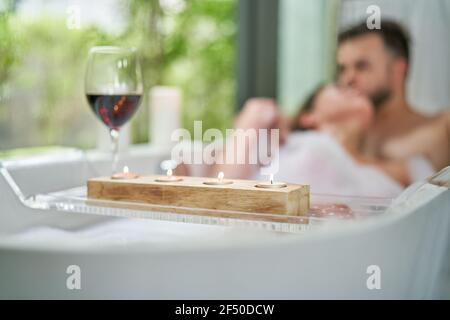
(42, 66)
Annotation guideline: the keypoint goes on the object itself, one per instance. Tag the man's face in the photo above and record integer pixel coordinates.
(364, 64)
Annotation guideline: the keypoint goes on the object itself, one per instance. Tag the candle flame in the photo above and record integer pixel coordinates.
(271, 178)
(169, 172)
(220, 176)
(126, 169)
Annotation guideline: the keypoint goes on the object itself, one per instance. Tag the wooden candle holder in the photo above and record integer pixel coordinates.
(191, 192)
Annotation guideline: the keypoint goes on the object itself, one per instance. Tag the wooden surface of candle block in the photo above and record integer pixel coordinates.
(191, 192)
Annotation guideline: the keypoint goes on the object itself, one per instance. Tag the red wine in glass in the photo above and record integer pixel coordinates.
(113, 87)
(114, 110)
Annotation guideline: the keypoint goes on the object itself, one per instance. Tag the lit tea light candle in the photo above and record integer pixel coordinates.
(218, 181)
(126, 174)
(271, 184)
(168, 166)
(169, 177)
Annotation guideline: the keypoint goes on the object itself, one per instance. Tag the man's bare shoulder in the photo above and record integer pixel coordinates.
(445, 120)
(429, 137)
(445, 117)
(439, 122)
(430, 122)
(435, 139)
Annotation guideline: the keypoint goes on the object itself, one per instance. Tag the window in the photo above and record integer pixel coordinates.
(43, 51)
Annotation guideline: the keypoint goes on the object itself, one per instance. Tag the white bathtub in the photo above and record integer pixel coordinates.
(130, 258)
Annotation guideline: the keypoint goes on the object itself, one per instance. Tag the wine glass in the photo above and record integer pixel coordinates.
(113, 87)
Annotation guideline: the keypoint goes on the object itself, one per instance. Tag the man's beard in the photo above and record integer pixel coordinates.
(379, 97)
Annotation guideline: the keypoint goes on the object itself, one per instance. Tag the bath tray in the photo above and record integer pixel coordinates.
(324, 208)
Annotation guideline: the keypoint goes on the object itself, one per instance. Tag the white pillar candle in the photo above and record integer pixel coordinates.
(165, 115)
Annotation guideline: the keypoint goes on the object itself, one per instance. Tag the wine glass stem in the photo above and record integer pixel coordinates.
(115, 148)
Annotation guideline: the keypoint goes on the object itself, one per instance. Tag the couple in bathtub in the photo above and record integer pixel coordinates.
(358, 136)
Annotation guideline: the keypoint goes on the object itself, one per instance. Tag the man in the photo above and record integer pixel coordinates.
(375, 63)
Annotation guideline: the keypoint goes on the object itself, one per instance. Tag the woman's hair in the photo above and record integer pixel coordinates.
(306, 107)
